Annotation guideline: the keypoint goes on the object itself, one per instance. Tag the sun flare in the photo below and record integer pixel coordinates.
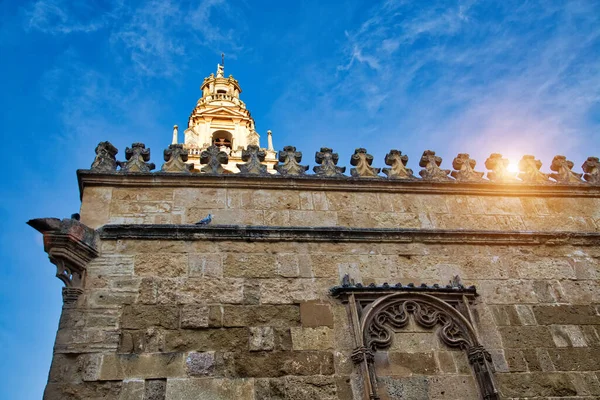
(513, 167)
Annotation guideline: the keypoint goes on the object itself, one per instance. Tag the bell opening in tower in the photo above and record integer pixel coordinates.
(223, 140)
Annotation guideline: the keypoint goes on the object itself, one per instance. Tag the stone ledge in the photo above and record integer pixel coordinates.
(341, 234)
(277, 182)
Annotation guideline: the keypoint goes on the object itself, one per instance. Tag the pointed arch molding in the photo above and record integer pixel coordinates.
(376, 318)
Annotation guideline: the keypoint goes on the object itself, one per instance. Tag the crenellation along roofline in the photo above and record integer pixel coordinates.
(313, 182)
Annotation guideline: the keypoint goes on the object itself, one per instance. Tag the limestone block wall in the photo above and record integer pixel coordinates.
(171, 311)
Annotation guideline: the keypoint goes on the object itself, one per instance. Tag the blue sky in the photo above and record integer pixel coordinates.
(514, 77)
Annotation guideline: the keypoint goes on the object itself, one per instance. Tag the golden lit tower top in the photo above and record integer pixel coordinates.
(222, 119)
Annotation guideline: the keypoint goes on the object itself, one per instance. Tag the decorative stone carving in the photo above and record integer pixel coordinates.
(464, 166)
(105, 160)
(137, 157)
(499, 169)
(530, 170)
(291, 162)
(327, 161)
(591, 167)
(362, 161)
(213, 157)
(431, 167)
(70, 246)
(397, 161)
(253, 156)
(175, 158)
(390, 313)
(563, 168)
(362, 354)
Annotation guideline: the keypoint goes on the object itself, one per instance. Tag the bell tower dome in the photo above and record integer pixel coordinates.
(220, 118)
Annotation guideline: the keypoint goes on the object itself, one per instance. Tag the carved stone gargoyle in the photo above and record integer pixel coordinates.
(105, 160)
(397, 161)
(213, 157)
(591, 167)
(291, 162)
(175, 158)
(431, 167)
(253, 156)
(362, 161)
(530, 170)
(464, 166)
(327, 161)
(499, 169)
(70, 246)
(137, 157)
(564, 173)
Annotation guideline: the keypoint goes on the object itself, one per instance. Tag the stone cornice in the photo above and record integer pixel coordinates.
(340, 234)
(351, 184)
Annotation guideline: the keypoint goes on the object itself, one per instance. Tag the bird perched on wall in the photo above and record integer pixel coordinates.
(205, 221)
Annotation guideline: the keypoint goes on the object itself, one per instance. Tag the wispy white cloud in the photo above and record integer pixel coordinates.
(64, 17)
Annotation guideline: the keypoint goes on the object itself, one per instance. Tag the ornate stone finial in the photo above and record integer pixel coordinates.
(328, 162)
(464, 166)
(431, 167)
(362, 161)
(398, 162)
(70, 246)
(270, 141)
(175, 132)
(213, 157)
(175, 157)
(499, 169)
(253, 156)
(530, 170)
(291, 162)
(105, 160)
(591, 167)
(137, 157)
(563, 168)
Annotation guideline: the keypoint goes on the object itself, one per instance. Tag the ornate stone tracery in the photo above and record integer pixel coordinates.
(530, 170)
(397, 161)
(431, 167)
(253, 156)
(464, 166)
(105, 160)
(291, 162)
(498, 167)
(327, 161)
(591, 167)
(563, 171)
(175, 158)
(137, 159)
(213, 157)
(377, 314)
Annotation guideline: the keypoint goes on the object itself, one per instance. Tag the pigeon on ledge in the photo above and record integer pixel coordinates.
(205, 221)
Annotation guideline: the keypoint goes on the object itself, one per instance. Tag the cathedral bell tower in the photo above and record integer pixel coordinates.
(220, 118)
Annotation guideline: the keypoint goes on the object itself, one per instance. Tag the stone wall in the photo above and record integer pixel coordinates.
(233, 312)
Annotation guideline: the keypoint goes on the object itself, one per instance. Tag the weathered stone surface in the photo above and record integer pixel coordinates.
(133, 389)
(499, 169)
(207, 340)
(327, 161)
(591, 167)
(525, 336)
(536, 384)
(105, 160)
(194, 316)
(530, 170)
(137, 157)
(276, 364)
(566, 314)
(262, 338)
(431, 167)
(271, 315)
(297, 388)
(200, 364)
(320, 338)
(564, 173)
(210, 389)
(161, 264)
(464, 166)
(253, 157)
(213, 157)
(155, 389)
(398, 162)
(144, 316)
(80, 391)
(402, 364)
(147, 366)
(314, 314)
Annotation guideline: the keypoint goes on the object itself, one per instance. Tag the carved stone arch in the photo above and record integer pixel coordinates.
(392, 312)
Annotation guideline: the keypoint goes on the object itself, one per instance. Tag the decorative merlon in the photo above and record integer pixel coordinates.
(175, 158)
(397, 161)
(213, 157)
(591, 167)
(258, 162)
(464, 166)
(498, 167)
(563, 168)
(105, 160)
(137, 157)
(431, 167)
(291, 162)
(362, 161)
(253, 156)
(70, 246)
(328, 163)
(530, 170)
